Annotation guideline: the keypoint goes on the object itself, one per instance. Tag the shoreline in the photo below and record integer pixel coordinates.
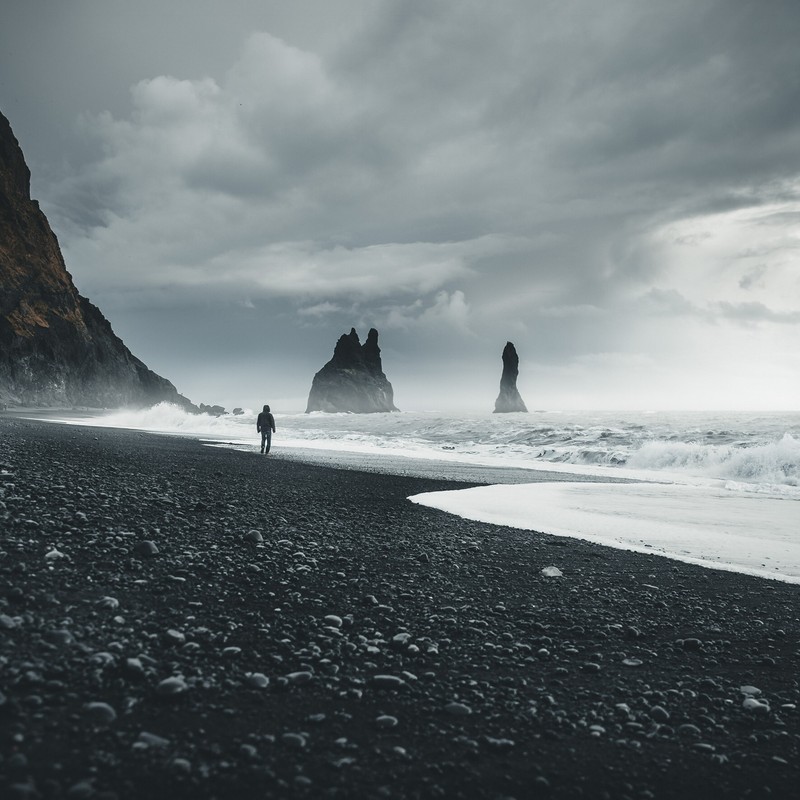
(623, 676)
(429, 468)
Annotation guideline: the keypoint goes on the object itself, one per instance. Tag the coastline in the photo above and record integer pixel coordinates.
(430, 468)
(621, 676)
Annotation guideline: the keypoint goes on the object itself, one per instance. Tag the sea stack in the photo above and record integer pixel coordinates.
(509, 398)
(56, 348)
(353, 380)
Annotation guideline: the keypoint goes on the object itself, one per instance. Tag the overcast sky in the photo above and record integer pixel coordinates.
(614, 187)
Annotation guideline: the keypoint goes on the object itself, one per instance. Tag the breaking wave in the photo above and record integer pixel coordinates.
(757, 451)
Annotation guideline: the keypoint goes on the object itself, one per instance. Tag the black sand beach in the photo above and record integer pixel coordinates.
(182, 621)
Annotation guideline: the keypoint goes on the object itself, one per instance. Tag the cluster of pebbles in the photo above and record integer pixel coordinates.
(183, 621)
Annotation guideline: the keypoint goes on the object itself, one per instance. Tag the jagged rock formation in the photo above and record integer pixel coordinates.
(509, 398)
(56, 348)
(353, 379)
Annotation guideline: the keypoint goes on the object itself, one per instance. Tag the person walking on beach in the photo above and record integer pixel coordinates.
(265, 425)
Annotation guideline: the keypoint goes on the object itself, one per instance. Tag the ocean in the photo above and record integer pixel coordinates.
(720, 489)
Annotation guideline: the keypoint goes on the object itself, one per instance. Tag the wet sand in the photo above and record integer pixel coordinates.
(184, 621)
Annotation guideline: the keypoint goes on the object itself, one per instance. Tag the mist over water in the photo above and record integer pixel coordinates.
(752, 452)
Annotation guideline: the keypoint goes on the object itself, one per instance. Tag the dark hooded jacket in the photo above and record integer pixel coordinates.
(265, 421)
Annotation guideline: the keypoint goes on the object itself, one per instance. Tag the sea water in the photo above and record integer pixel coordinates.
(716, 488)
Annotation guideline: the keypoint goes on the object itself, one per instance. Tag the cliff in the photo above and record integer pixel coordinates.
(509, 398)
(56, 348)
(353, 379)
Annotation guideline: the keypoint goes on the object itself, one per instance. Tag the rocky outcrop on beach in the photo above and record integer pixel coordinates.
(353, 380)
(56, 348)
(509, 398)
(202, 636)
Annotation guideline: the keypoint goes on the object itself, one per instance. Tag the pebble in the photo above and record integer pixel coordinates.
(248, 751)
(552, 572)
(458, 709)
(254, 536)
(499, 744)
(181, 765)
(134, 667)
(294, 740)
(81, 789)
(752, 691)
(757, 706)
(170, 687)
(230, 652)
(257, 680)
(632, 662)
(174, 637)
(299, 678)
(101, 713)
(333, 621)
(659, 713)
(386, 721)
(388, 682)
(151, 740)
(145, 549)
(60, 636)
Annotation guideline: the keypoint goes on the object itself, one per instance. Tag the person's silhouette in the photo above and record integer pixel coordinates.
(265, 425)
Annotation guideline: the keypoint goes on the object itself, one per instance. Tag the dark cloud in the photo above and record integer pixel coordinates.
(581, 180)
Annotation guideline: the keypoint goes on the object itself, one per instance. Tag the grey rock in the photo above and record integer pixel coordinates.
(100, 713)
(152, 740)
(458, 709)
(659, 714)
(145, 549)
(353, 380)
(509, 399)
(171, 687)
(295, 740)
(299, 678)
(388, 682)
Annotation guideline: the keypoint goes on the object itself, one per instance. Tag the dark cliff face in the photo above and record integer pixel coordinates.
(353, 379)
(56, 348)
(509, 399)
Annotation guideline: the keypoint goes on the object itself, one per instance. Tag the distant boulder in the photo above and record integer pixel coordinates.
(353, 380)
(509, 398)
(213, 411)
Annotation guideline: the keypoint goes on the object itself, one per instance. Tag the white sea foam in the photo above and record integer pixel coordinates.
(708, 464)
(756, 450)
(695, 524)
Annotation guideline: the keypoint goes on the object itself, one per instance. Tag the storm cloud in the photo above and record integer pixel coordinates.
(615, 189)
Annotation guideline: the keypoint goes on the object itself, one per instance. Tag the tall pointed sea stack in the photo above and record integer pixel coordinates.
(56, 348)
(509, 398)
(353, 379)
